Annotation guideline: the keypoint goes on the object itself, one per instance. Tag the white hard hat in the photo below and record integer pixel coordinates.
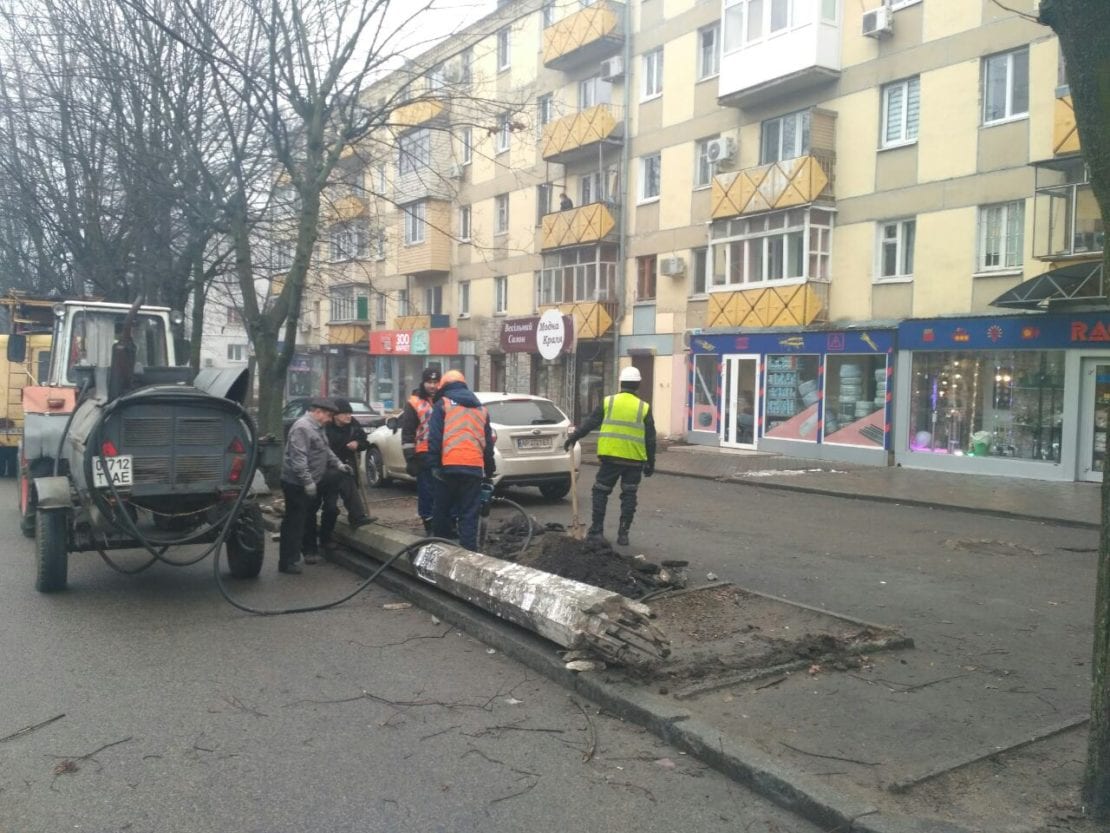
(630, 374)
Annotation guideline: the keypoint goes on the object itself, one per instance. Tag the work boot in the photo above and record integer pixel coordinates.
(622, 533)
(595, 532)
(429, 527)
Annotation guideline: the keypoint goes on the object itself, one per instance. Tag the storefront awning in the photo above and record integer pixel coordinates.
(1074, 282)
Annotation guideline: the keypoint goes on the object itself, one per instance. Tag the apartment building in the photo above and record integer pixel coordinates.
(846, 231)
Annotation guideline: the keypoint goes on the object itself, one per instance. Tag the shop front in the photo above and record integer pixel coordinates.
(398, 358)
(1023, 396)
(539, 356)
(822, 395)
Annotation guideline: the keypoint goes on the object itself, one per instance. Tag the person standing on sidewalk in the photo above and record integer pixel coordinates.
(414, 443)
(460, 452)
(625, 448)
(346, 438)
(306, 462)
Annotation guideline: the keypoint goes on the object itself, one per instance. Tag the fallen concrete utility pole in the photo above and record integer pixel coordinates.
(572, 614)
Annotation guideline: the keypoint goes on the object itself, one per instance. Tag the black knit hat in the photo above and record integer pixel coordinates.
(431, 374)
(342, 406)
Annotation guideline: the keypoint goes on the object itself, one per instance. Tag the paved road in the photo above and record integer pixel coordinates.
(359, 718)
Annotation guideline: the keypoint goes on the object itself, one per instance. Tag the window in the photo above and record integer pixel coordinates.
(414, 222)
(545, 110)
(548, 12)
(709, 51)
(500, 295)
(378, 241)
(699, 270)
(464, 299)
(467, 146)
(645, 278)
(236, 352)
(785, 137)
(414, 151)
(379, 171)
(734, 25)
(281, 255)
(402, 302)
(467, 67)
(650, 171)
(583, 273)
(593, 91)
(1001, 236)
(590, 188)
(504, 52)
(433, 300)
(504, 132)
(653, 74)
(435, 79)
(348, 240)
(776, 246)
(750, 21)
(501, 214)
(349, 303)
(901, 112)
(703, 168)
(464, 223)
(543, 202)
(1006, 86)
(379, 308)
(234, 317)
(896, 242)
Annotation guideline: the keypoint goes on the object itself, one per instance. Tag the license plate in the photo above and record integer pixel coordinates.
(117, 469)
(533, 442)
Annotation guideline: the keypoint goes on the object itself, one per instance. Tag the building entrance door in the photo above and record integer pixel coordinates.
(739, 400)
(1094, 415)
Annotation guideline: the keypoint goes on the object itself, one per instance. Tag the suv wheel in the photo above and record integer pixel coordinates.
(375, 469)
(556, 490)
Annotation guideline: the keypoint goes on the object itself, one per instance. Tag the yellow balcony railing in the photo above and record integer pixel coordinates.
(1065, 136)
(579, 131)
(578, 226)
(416, 113)
(348, 333)
(794, 305)
(589, 34)
(791, 182)
(592, 319)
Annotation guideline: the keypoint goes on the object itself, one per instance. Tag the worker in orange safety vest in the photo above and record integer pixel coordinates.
(414, 442)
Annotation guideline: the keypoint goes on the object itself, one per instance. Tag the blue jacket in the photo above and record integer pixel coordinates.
(460, 393)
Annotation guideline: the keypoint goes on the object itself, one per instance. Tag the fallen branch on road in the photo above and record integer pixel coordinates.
(26, 730)
(831, 757)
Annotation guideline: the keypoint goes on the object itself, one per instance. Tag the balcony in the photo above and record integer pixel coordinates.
(586, 36)
(587, 224)
(1065, 136)
(592, 319)
(572, 136)
(419, 113)
(432, 253)
(791, 182)
(1067, 223)
(421, 322)
(792, 305)
(782, 56)
(347, 333)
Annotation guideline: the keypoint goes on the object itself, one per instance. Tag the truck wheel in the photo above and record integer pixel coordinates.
(51, 549)
(246, 543)
(375, 470)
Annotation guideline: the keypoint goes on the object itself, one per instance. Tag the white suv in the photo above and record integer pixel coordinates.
(529, 434)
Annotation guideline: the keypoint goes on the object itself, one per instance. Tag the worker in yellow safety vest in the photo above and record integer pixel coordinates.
(625, 449)
(414, 442)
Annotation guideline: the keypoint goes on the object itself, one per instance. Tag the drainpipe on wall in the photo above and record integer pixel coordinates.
(625, 204)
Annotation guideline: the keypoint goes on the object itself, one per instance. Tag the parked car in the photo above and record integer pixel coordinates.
(367, 415)
(528, 448)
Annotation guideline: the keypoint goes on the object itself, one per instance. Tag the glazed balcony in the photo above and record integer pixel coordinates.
(791, 182)
(584, 37)
(587, 224)
(575, 135)
(790, 305)
(592, 319)
(1067, 222)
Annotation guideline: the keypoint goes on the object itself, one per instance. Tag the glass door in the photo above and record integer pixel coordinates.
(1094, 416)
(739, 400)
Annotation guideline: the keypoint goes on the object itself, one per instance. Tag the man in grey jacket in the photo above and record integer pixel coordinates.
(307, 459)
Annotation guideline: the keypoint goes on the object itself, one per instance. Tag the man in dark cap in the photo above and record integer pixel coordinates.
(414, 443)
(307, 460)
(347, 439)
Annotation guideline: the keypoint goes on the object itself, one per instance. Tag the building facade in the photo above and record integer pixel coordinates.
(844, 231)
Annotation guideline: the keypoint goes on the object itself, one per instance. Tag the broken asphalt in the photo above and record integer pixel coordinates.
(845, 748)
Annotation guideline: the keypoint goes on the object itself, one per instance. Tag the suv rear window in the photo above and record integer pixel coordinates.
(524, 412)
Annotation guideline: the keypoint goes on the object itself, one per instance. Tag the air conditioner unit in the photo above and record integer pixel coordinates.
(612, 68)
(721, 150)
(878, 23)
(672, 266)
(456, 171)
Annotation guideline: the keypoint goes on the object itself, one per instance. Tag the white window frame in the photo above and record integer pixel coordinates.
(501, 214)
(895, 5)
(651, 173)
(1005, 223)
(416, 217)
(712, 68)
(652, 66)
(467, 146)
(702, 253)
(402, 302)
(901, 236)
(548, 14)
(379, 308)
(732, 27)
(348, 241)
(702, 165)
(802, 127)
(500, 295)
(909, 91)
(414, 152)
(237, 352)
(464, 299)
(464, 223)
(433, 299)
(545, 111)
(1006, 60)
(504, 132)
(769, 231)
(504, 49)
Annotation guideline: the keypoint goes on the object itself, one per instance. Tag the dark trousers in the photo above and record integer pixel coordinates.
(608, 473)
(298, 507)
(457, 496)
(425, 491)
(337, 485)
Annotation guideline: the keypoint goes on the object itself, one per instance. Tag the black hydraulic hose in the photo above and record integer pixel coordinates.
(415, 545)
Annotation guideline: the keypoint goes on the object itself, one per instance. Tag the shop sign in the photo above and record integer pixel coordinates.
(1044, 331)
(441, 341)
(549, 334)
(877, 342)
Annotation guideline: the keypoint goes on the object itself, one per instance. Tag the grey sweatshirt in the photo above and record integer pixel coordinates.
(307, 454)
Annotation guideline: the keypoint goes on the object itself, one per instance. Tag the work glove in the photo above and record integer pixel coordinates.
(345, 468)
(310, 490)
(569, 444)
(649, 469)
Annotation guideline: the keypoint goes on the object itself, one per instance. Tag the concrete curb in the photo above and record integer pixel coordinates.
(735, 758)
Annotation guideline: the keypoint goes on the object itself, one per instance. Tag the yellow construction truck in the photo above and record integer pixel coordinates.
(25, 337)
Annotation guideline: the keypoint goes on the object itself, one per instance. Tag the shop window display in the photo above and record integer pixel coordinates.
(792, 392)
(988, 404)
(855, 400)
(706, 375)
